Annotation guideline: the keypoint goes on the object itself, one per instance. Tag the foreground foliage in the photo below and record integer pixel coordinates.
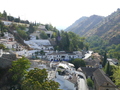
(116, 76)
(18, 69)
(37, 80)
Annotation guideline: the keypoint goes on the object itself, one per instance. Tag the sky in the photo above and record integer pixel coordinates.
(59, 13)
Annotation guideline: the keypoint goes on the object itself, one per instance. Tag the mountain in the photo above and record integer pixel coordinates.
(84, 24)
(107, 28)
(75, 24)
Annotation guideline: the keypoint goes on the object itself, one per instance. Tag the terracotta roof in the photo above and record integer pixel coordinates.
(101, 78)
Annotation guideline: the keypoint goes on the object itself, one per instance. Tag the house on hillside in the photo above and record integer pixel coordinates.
(59, 56)
(103, 82)
(49, 33)
(88, 72)
(65, 78)
(69, 78)
(7, 22)
(42, 27)
(41, 44)
(34, 35)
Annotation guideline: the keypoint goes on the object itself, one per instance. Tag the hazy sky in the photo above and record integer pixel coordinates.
(60, 13)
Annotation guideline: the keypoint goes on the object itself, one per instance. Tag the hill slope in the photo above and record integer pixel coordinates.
(75, 24)
(83, 25)
(107, 28)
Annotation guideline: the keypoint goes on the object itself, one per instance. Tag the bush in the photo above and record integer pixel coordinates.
(89, 82)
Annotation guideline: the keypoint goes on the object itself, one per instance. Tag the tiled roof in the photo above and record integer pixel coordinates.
(88, 71)
(101, 78)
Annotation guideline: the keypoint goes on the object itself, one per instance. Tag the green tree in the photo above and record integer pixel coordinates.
(5, 15)
(90, 82)
(19, 69)
(31, 28)
(2, 46)
(104, 59)
(78, 63)
(37, 37)
(116, 55)
(43, 35)
(107, 68)
(42, 53)
(116, 75)
(22, 34)
(10, 18)
(1, 29)
(37, 80)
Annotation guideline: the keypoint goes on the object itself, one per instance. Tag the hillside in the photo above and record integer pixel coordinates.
(107, 28)
(75, 24)
(84, 24)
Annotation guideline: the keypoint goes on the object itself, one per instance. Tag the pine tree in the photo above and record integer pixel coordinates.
(107, 68)
(104, 59)
(5, 15)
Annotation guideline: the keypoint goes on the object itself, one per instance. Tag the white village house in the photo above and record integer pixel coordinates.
(40, 44)
(55, 56)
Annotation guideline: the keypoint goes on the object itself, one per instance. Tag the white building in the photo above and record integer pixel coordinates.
(69, 78)
(63, 56)
(39, 44)
(7, 22)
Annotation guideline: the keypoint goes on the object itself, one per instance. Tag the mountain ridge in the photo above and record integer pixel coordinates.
(84, 25)
(107, 27)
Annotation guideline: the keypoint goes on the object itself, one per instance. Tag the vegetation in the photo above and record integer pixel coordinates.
(33, 80)
(22, 34)
(31, 28)
(37, 80)
(5, 16)
(43, 35)
(2, 46)
(107, 68)
(78, 63)
(101, 46)
(104, 59)
(116, 76)
(18, 70)
(3, 29)
(90, 82)
(69, 41)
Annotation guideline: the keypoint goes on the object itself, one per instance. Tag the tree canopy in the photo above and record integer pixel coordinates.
(116, 76)
(2, 46)
(43, 35)
(90, 82)
(19, 68)
(78, 63)
(69, 41)
(37, 80)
